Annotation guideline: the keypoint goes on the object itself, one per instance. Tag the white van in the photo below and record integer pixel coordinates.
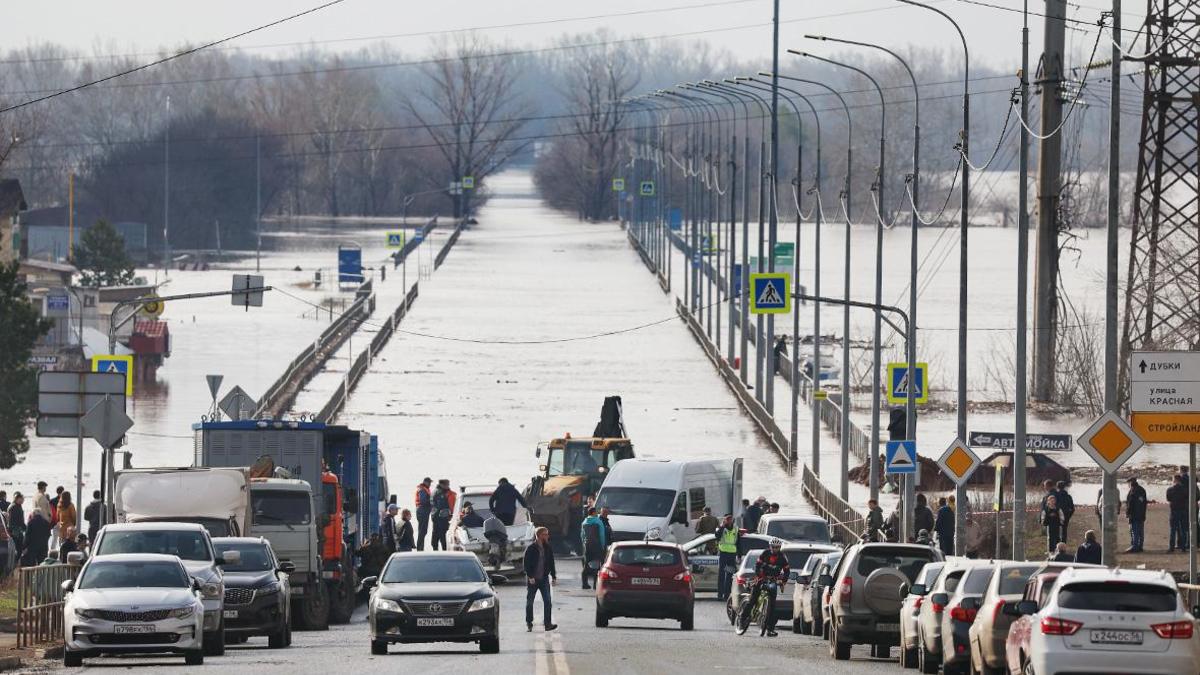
(663, 499)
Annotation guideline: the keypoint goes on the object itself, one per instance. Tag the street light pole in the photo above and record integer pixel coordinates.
(773, 216)
(960, 514)
(1018, 515)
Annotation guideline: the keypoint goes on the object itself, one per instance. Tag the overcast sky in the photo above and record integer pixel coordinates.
(140, 25)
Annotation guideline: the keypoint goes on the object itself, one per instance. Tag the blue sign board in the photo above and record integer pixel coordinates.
(349, 265)
(676, 218)
(769, 293)
(901, 457)
(898, 383)
(58, 303)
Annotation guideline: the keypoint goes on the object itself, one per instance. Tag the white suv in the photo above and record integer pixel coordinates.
(1100, 620)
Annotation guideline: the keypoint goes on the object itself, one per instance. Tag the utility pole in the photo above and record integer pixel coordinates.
(1108, 532)
(257, 203)
(167, 193)
(1018, 514)
(1045, 308)
(768, 341)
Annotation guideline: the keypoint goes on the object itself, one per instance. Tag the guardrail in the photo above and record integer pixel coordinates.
(1191, 595)
(441, 256)
(843, 519)
(40, 603)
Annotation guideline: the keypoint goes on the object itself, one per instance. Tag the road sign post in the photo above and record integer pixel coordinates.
(63, 400)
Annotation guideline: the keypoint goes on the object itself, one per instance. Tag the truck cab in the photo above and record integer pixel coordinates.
(281, 511)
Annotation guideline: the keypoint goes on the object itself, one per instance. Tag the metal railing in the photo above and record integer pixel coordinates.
(1191, 595)
(40, 603)
(843, 519)
(441, 256)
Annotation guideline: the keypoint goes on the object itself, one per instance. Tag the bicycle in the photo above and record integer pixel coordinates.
(761, 611)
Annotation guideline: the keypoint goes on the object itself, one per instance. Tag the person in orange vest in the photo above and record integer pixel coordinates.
(451, 495)
(424, 504)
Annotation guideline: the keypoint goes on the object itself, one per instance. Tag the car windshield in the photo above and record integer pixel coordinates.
(810, 564)
(274, 507)
(577, 459)
(1014, 579)
(797, 558)
(187, 544)
(628, 501)
(1114, 596)
(977, 581)
(799, 530)
(255, 557)
(422, 570)
(137, 574)
(645, 556)
(908, 560)
(479, 503)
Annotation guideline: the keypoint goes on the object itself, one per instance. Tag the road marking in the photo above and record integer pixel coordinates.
(541, 661)
(545, 647)
(560, 657)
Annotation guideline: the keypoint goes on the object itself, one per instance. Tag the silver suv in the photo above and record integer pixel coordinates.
(864, 605)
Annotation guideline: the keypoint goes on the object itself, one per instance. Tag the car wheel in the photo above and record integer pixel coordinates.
(687, 622)
(881, 651)
(313, 608)
(799, 626)
(379, 647)
(194, 658)
(1027, 668)
(341, 596)
(925, 660)
(288, 639)
(278, 639)
(214, 643)
(490, 645)
(840, 651)
(601, 619)
(72, 660)
(908, 657)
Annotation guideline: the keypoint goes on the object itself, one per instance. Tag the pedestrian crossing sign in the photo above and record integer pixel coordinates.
(769, 293)
(901, 457)
(898, 383)
(112, 363)
(618, 185)
(468, 183)
(646, 189)
(395, 239)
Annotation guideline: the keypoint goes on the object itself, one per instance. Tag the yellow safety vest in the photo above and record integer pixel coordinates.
(728, 541)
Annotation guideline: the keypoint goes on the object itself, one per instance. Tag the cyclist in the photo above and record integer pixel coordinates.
(771, 565)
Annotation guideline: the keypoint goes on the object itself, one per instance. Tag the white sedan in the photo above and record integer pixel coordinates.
(520, 533)
(133, 603)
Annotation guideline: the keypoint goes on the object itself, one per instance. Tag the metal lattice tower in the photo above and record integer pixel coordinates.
(1162, 295)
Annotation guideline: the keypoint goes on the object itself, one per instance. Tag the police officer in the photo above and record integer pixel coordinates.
(728, 537)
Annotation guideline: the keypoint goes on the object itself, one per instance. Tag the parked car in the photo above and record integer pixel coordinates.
(804, 577)
(962, 606)
(990, 629)
(864, 605)
(193, 545)
(809, 597)
(645, 579)
(702, 554)
(796, 528)
(929, 616)
(520, 533)
(1037, 592)
(133, 603)
(257, 592)
(1102, 620)
(910, 609)
(742, 581)
(441, 596)
(797, 556)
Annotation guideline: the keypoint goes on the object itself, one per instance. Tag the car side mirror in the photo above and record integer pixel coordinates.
(825, 580)
(196, 585)
(940, 599)
(905, 589)
(75, 558)
(542, 468)
(1010, 609)
(68, 585)
(370, 582)
(1027, 607)
(538, 451)
(497, 579)
(836, 537)
(971, 603)
(918, 589)
(230, 558)
(805, 579)
(287, 566)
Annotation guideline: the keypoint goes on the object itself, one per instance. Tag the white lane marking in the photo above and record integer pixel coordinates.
(560, 657)
(541, 660)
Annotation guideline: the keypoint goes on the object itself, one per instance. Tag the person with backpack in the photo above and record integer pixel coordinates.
(595, 544)
(424, 506)
(442, 511)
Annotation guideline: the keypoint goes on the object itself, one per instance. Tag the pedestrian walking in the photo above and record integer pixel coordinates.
(16, 523)
(404, 536)
(874, 520)
(708, 523)
(68, 517)
(1135, 513)
(4, 503)
(91, 513)
(41, 502)
(1061, 553)
(922, 515)
(539, 575)
(595, 546)
(752, 514)
(387, 529)
(605, 512)
(1052, 521)
(1177, 499)
(372, 556)
(442, 511)
(944, 527)
(1089, 551)
(37, 539)
(1066, 504)
(504, 500)
(728, 538)
(424, 506)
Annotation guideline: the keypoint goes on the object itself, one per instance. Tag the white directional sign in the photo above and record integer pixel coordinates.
(1164, 396)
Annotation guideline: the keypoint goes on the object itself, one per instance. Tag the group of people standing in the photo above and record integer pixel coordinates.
(45, 528)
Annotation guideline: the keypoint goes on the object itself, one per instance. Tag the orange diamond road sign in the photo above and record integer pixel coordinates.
(958, 462)
(1110, 441)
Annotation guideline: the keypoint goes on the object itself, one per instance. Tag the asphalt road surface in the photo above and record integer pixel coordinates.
(577, 647)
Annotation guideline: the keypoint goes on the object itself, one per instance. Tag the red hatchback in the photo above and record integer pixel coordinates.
(645, 579)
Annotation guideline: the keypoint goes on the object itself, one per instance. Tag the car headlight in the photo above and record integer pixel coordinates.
(385, 605)
(482, 604)
(183, 612)
(86, 613)
(210, 591)
(269, 589)
(653, 533)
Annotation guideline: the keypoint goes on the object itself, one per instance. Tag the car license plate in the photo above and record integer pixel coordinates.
(1117, 637)
(133, 628)
(888, 627)
(231, 614)
(646, 581)
(424, 623)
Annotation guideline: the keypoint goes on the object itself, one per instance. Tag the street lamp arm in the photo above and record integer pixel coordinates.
(961, 36)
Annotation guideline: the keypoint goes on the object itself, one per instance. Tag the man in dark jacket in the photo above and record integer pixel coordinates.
(91, 513)
(504, 500)
(404, 532)
(1135, 512)
(388, 529)
(1089, 551)
(424, 505)
(595, 545)
(37, 539)
(1066, 504)
(1177, 499)
(442, 509)
(922, 515)
(752, 514)
(540, 574)
(944, 526)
